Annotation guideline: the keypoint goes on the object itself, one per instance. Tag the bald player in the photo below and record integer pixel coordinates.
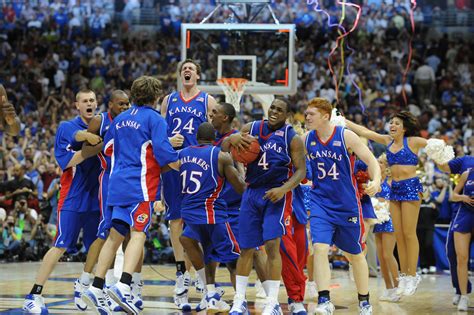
(99, 125)
(9, 121)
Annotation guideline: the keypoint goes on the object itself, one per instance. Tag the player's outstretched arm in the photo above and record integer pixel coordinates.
(299, 165)
(354, 143)
(369, 134)
(227, 168)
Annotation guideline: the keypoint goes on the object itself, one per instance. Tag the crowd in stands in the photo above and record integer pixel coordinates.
(49, 50)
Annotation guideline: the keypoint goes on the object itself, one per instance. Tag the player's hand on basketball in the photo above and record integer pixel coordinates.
(8, 111)
(177, 140)
(158, 206)
(274, 194)
(372, 188)
(240, 141)
(93, 139)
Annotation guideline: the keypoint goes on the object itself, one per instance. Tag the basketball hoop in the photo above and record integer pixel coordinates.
(233, 89)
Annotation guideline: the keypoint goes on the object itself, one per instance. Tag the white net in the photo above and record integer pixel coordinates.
(264, 99)
(233, 89)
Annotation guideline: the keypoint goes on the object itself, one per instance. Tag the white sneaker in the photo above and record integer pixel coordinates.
(272, 308)
(137, 289)
(122, 294)
(239, 305)
(181, 289)
(259, 290)
(393, 296)
(402, 281)
(311, 290)
(34, 304)
(456, 298)
(365, 308)
(79, 288)
(202, 306)
(216, 305)
(424, 271)
(94, 298)
(463, 304)
(296, 308)
(326, 308)
(412, 284)
(432, 270)
(385, 295)
(199, 285)
(113, 306)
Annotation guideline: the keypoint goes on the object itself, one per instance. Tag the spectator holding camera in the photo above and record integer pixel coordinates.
(442, 192)
(20, 186)
(42, 235)
(25, 217)
(10, 238)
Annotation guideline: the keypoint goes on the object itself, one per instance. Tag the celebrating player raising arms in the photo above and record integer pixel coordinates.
(184, 111)
(337, 218)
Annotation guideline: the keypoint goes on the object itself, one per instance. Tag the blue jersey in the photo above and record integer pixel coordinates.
(202, 185)
(334, 189)
(273, 165)
(79, 184)
(462, 164)
(106, 120)
(140, 149)
(184, 117)
(231, 197)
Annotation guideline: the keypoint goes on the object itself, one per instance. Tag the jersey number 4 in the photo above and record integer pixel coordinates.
(263, 161)
(332, 171)
(194, 177)
(188, 126)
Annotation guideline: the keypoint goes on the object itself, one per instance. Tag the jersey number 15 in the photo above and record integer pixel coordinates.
(194, 177)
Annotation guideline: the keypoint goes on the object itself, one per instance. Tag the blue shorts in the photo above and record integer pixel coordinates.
(105, 212)
(234, 225)
(406, 190)
(137, 216)
(464, 221)
(69, 226)
(171, 194)
(261, 220)
(346, 237)
(386, 227)
(218, 241)
(368, 211)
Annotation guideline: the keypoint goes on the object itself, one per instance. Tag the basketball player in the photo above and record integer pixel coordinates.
(99, 125)
(456, 166)
(337, 218)
(9, 122)
(184, 111)
(78, 206)
(205, 170)
(140, 152)
(463, 226)
(222, 116)
(268, 199)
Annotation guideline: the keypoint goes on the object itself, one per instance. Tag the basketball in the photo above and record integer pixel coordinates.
(248, 155)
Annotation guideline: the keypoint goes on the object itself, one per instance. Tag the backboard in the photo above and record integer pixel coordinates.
(260, 53)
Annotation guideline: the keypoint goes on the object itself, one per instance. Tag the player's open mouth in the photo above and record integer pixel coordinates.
(89, 110)
(187, 77)
(273, 117)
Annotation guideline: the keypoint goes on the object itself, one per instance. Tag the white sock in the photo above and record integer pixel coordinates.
(241, 285)
(202, 275)
(110, 279)
(136, 277)
(273, 289)
(85, 278)
(265, 286)
(211, 289)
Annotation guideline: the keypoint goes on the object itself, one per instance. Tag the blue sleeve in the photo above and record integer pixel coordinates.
(64, 143)
(109, 140)
(455, 165)
(162, 148)
(291, 135)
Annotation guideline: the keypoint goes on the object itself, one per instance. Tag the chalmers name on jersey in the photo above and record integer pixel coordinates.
(184, 117)
(202, 185)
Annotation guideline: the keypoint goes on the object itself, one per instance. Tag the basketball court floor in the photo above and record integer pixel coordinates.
(433, 296)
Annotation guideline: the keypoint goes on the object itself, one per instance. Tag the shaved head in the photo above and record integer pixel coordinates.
(118, 94)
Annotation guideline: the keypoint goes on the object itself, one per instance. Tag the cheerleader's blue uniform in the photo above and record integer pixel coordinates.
(386, 227)
(410, 188)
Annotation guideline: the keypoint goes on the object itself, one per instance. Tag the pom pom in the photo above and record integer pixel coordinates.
(438, 151)
(337, 119)
(381, 209)
(362, 177)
